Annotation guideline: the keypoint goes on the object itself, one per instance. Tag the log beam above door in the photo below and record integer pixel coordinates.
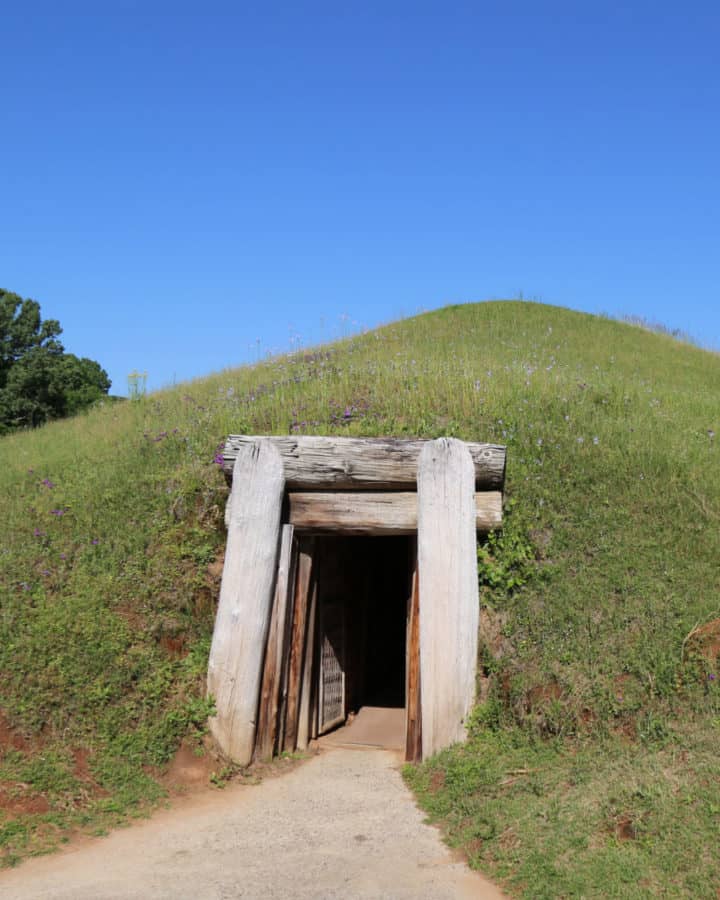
(374, 514)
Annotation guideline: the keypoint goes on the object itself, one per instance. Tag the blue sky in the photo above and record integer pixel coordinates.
(186, 187)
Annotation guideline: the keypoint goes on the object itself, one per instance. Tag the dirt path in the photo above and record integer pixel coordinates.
(343, 825)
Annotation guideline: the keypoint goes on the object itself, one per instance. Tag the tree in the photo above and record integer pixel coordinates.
(38, 380)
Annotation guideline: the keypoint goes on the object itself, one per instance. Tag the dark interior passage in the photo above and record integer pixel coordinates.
(363, 591)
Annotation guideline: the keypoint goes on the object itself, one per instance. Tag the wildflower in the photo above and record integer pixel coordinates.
(710, 433)
(219, 459)
(39, 533)
(63, 556)
(94, 541)
(57, 512)
(45, 572)
(711, 676)
(581, 440)
(47, 483)
(596, 440)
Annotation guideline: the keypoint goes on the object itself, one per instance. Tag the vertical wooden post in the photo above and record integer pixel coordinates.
(413, 714)
(246, 593)
(276, 651)
(307, 687)
(303, 588)
(448, 596)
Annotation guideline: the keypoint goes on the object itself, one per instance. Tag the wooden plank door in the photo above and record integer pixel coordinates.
(331, 706)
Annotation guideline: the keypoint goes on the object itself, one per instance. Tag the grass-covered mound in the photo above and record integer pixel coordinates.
(591, 769)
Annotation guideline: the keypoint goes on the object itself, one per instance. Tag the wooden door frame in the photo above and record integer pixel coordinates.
(444, 490)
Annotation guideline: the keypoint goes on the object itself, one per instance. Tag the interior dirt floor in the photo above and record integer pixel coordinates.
(343, 825)
(373, 726)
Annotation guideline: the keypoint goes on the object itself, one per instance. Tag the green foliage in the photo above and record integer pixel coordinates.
(506, 559)
(38, 380)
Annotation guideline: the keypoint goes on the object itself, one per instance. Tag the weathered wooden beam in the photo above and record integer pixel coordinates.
(338, 463)
(246, 594)
(304, 585)
(276, 651)
(448, 584)
(376, 513)
(413, 712)
(309, 673)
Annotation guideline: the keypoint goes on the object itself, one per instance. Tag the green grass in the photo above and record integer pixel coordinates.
(597, 656)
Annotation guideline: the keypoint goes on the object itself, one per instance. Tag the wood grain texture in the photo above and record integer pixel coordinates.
(338, 463)
(376, 514)
(246, 593)
(413, 710)
(309, 675)
(448, 583)
(275, 653)
(304, 584)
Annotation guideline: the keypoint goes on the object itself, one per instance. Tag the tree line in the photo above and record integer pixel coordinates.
(39, 381)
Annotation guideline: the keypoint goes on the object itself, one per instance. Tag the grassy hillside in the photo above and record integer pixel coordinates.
(592, 768)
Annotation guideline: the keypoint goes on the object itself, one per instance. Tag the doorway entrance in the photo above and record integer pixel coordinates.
(363, 595)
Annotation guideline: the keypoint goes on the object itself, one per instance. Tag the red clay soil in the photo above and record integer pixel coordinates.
(10, 738)
(21, 803)
(705, 641)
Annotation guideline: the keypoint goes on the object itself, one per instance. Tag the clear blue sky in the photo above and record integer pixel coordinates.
(187, 185)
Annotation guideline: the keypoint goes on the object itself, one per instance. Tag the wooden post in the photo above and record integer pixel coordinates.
(303, 588)
(413, 712)
(246, 593)
(448, 582)
(276, 651)
(306, 692)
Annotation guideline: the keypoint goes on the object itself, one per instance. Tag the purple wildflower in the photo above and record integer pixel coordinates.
(39, 533)
(57, 512)
(711, 676)
(48, 483)
(94, 541)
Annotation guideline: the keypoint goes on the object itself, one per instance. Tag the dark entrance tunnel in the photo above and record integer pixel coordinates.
(363, 588)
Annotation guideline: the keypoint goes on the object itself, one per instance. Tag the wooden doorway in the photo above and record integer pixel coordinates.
(363, 593)
(290, 493)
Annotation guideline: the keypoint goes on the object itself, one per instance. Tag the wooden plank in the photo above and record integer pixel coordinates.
(337, 463)
(413, 717)
(308, 686)
(275, 652)
(448, 592)
(303, 588)
(246, 594)
(287, 646)
(376, 513)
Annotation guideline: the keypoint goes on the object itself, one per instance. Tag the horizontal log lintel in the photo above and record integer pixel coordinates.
(376, 513)
(316, 463)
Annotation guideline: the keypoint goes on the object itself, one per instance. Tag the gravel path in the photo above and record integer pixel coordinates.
(342, 825)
